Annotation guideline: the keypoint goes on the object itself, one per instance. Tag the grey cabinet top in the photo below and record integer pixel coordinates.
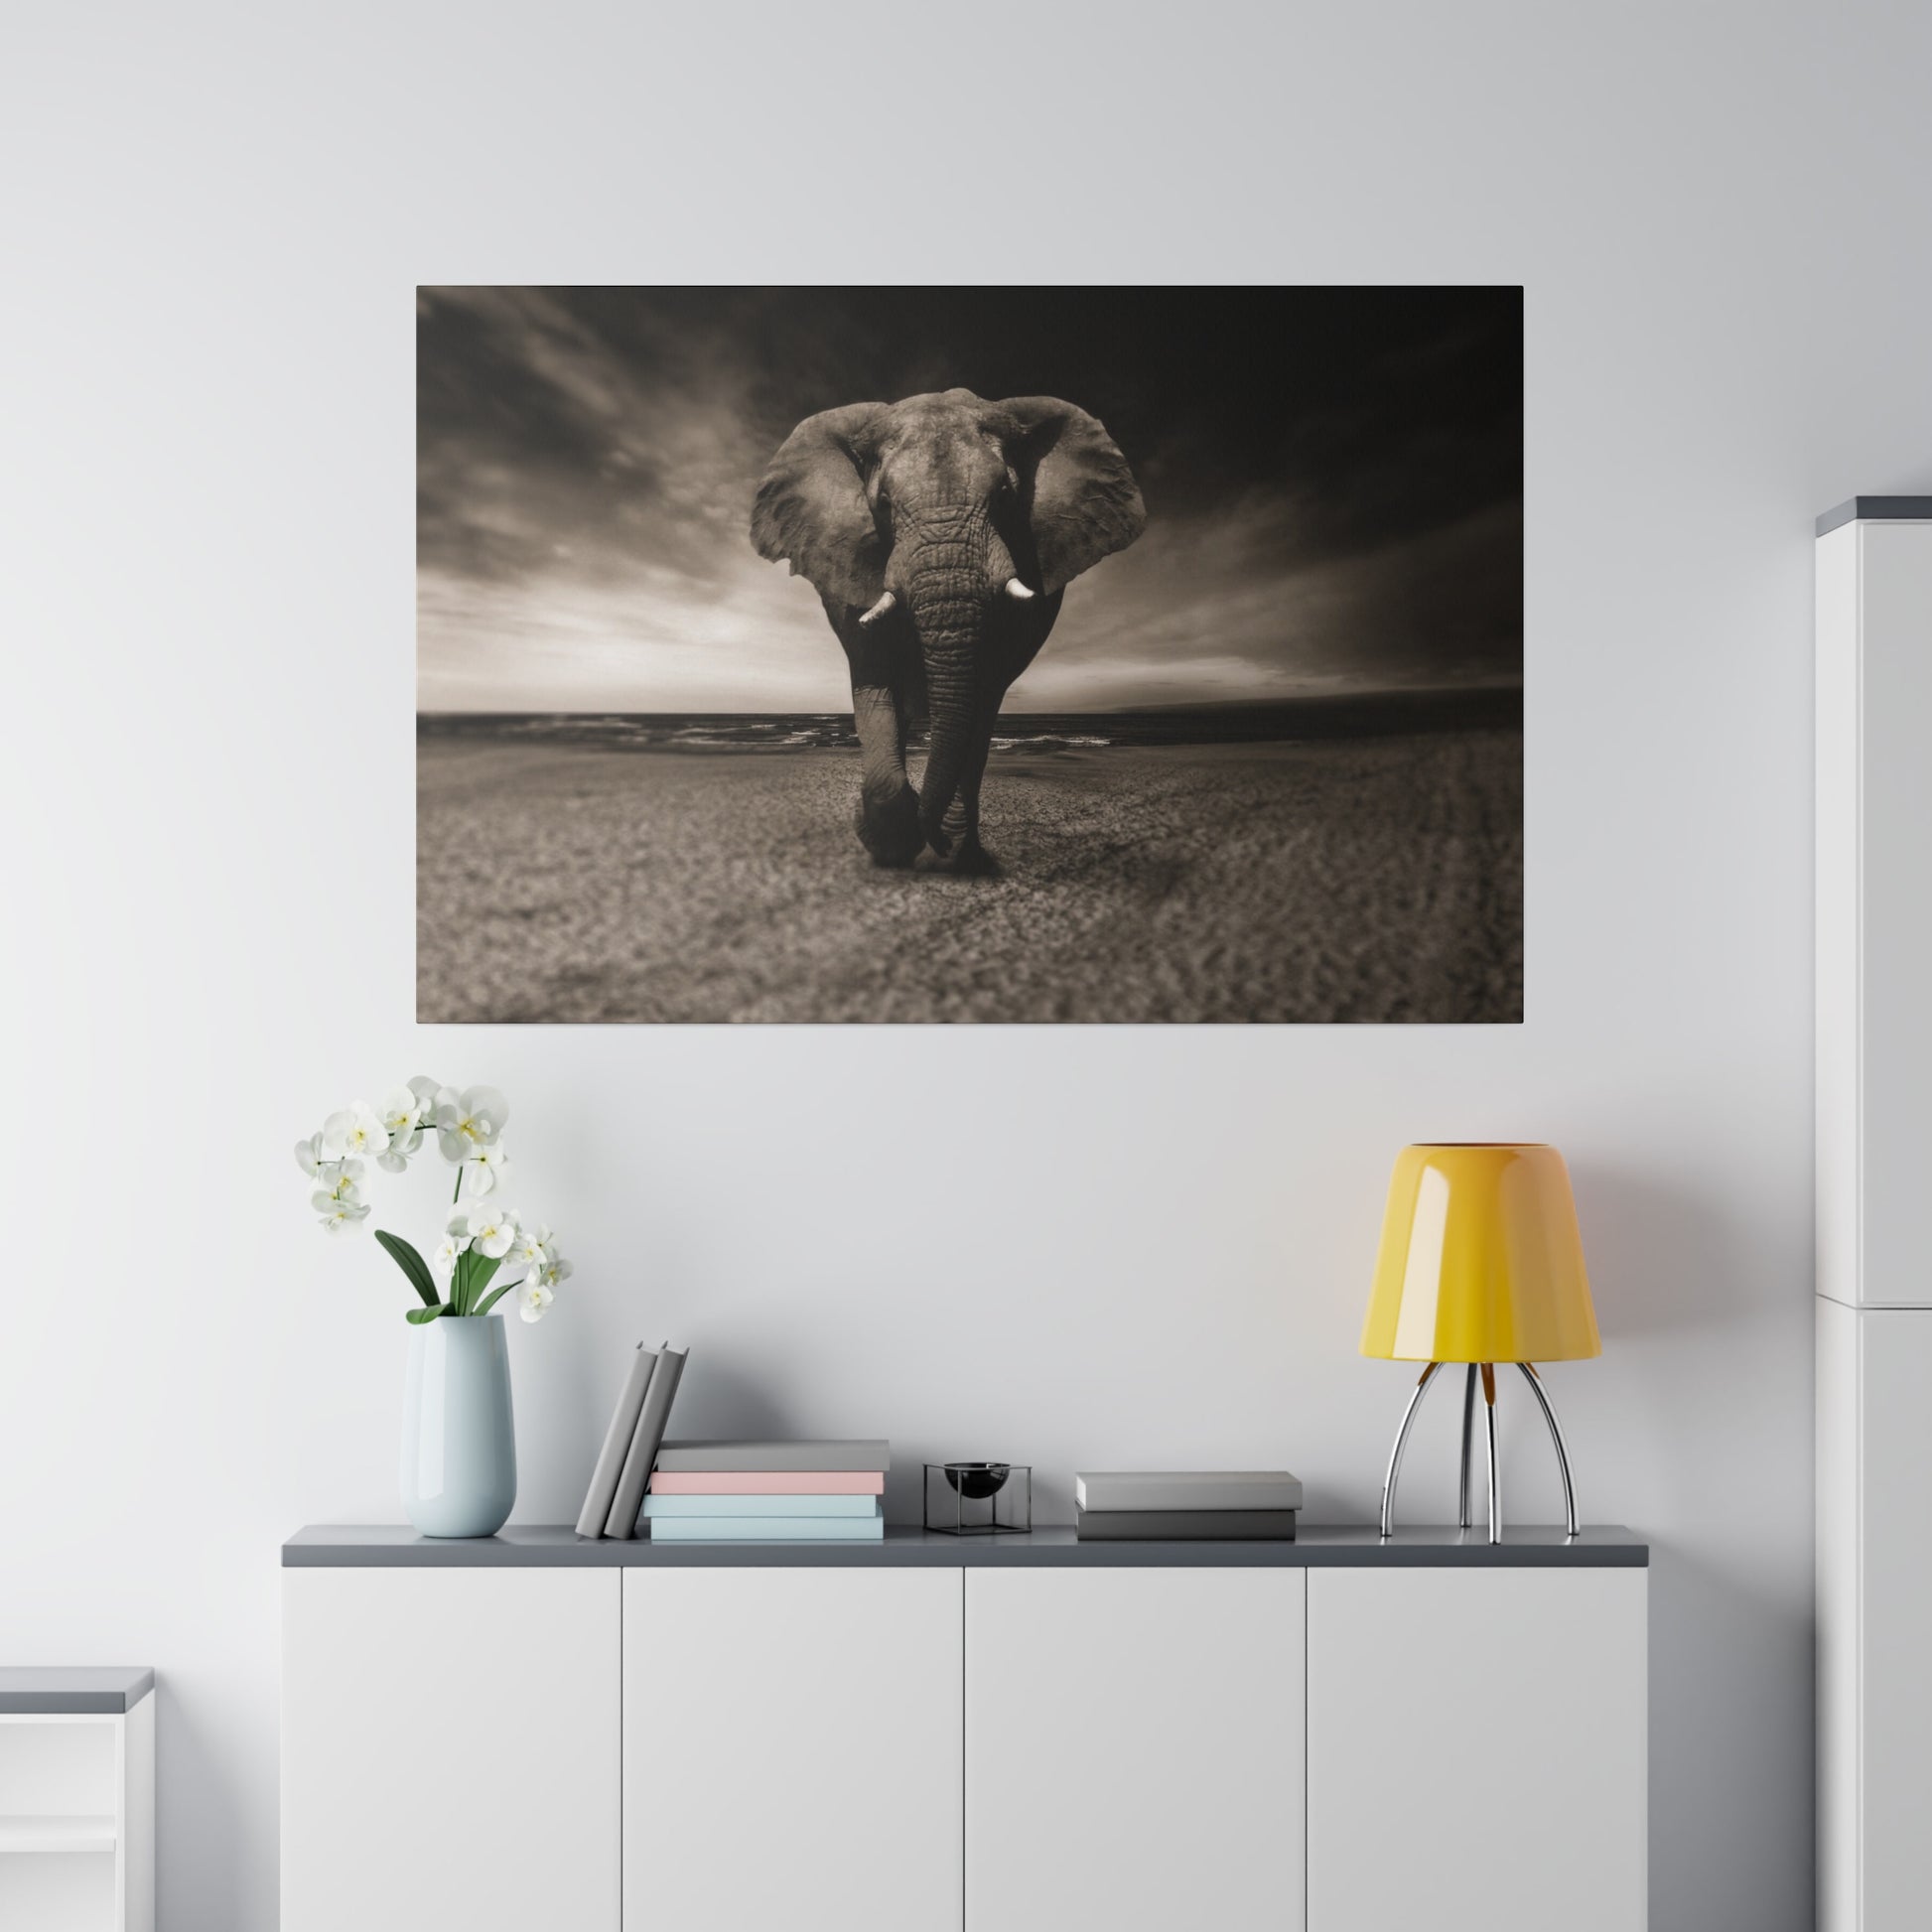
(66, 1690)
(546, 1546)
(1877, 509)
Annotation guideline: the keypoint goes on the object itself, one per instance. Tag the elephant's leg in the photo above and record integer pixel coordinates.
(887, 821)
(962, 821)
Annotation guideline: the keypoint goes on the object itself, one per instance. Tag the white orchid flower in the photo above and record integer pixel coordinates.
(468, 1121)
(486, 1170)
(338, 1180)
(532, 1247)
(492, 1231)
(468, 1129)
(401, 1113)
(340, 1214)
(356, 1130)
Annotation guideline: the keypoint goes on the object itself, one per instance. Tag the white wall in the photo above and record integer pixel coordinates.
(214, 222)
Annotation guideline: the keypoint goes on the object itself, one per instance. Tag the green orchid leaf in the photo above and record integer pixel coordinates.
(495, 1295)
(412, 1264)
(420, 1316)
(480, 1274)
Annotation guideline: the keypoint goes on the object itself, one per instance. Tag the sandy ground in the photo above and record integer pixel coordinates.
(1363, 879)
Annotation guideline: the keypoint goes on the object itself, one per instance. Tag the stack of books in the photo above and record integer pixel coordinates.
(630, 1443)
(1218, 1506)
(774, 1492)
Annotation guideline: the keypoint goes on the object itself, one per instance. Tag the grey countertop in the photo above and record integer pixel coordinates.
(64, 1689)
(1877, 509)
(546, 1546)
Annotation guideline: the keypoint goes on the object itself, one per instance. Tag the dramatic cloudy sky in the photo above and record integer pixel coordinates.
(1332, 477)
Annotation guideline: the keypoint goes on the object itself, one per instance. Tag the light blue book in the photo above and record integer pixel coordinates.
(767, 1529)
(663, 1506)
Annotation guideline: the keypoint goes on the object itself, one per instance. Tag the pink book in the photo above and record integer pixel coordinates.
(771, 1482)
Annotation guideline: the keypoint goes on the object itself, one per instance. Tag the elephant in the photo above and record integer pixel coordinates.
(940, 535)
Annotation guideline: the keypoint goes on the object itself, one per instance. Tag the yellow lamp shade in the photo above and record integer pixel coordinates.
(1481, 1259)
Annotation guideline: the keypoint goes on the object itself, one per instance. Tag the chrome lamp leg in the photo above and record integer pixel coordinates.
(1394, 1455)
(1556, 1436)
(1464, 1519)
(1495, 1467)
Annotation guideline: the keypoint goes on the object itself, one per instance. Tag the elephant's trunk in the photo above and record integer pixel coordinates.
(955, 566)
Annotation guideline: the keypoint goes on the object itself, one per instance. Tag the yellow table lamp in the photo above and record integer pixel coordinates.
(1480, 1263)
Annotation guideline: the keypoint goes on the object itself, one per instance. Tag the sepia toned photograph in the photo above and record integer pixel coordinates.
(924, 654)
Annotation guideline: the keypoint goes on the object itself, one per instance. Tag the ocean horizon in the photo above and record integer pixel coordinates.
(1351, 714)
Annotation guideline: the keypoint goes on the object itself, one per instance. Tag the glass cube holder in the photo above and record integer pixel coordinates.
(979, 1498)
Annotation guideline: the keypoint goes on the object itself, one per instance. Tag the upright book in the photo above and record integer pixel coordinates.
(603, 1491)
(644, 1441)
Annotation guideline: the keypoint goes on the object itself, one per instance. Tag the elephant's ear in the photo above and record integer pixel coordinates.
(812, 505)
(1085, 502)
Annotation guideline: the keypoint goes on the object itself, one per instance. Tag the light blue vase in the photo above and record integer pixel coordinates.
(458, 1441)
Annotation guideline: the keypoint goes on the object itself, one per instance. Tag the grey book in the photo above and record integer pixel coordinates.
(738, 1459)
(1188, 1489)
(644, 1441)
(617, 1444)
(1187, 1526)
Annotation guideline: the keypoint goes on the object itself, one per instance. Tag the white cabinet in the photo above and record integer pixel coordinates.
(791, 1750)
(449, 1749)
(1874, 1266)
(930, 1736)
(1875, 1596)
(1134, 1749)
(1874, 910)
(76, 1817)
(1476, 1750)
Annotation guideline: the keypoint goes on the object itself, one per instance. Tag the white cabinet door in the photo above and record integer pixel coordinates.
(1840, 1728)
(449, 1749)
(1134, 1749)
(1894, 1770)
(1895, 1018)
(791, 1750)
(1476, 1750)
(1874, 910)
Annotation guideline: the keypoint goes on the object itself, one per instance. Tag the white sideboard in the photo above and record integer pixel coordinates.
(937, 1735)
(1134, 1748)
(450, 1749)
(791, 1749)
(1437, 1702)
(1873, 1275)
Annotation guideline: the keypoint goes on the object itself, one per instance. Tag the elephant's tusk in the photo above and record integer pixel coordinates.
(880, 609)
(1016, 590)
